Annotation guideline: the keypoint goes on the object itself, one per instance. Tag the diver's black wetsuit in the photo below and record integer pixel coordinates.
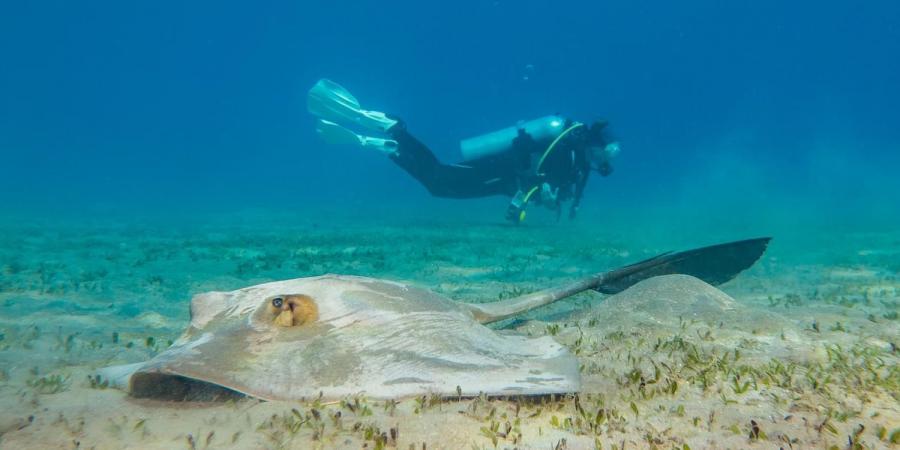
(478, 179)
(567, 167)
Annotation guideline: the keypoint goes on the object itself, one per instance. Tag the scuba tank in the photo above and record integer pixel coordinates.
(499, 141)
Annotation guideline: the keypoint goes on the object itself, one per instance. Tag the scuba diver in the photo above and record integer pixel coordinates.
(545, 161)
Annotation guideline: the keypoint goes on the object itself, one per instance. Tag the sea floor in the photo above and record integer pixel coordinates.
(805, 356)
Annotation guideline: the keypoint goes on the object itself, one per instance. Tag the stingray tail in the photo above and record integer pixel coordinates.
(714, 264)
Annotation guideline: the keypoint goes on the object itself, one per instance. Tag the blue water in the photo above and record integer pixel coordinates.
(748, 109)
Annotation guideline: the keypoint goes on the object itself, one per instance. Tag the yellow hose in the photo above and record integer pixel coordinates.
(541, 163)
(528, 195)
(525, 202)
(553, 145)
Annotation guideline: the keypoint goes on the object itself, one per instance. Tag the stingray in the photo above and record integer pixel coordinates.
(332, 336)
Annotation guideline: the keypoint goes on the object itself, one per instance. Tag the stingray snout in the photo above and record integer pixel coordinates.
(292, 310)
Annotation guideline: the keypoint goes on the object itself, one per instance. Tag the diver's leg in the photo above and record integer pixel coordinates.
(444, 180)
(336, 107)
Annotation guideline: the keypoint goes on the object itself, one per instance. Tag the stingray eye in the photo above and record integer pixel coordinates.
(278, 302)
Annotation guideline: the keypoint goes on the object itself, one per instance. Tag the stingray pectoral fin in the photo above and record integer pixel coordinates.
(118, 377)
(714, 264)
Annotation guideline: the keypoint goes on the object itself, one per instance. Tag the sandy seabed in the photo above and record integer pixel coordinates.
(798, 352)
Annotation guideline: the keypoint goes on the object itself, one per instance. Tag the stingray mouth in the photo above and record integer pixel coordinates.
(292, 310)
(164, 386)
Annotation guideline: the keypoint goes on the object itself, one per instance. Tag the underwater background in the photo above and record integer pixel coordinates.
(764, 111)
(150, 151)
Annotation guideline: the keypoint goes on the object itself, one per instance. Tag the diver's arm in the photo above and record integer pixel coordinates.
(580, 183)
(582, 172)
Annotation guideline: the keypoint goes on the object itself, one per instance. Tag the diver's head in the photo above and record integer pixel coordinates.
(602, 149)
(597, 130)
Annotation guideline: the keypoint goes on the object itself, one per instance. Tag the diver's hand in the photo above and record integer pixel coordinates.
(549, 195)
(516, 207)
(514, 214)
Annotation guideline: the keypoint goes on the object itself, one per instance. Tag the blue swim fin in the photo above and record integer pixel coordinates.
(330, 101)
(333, 133)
